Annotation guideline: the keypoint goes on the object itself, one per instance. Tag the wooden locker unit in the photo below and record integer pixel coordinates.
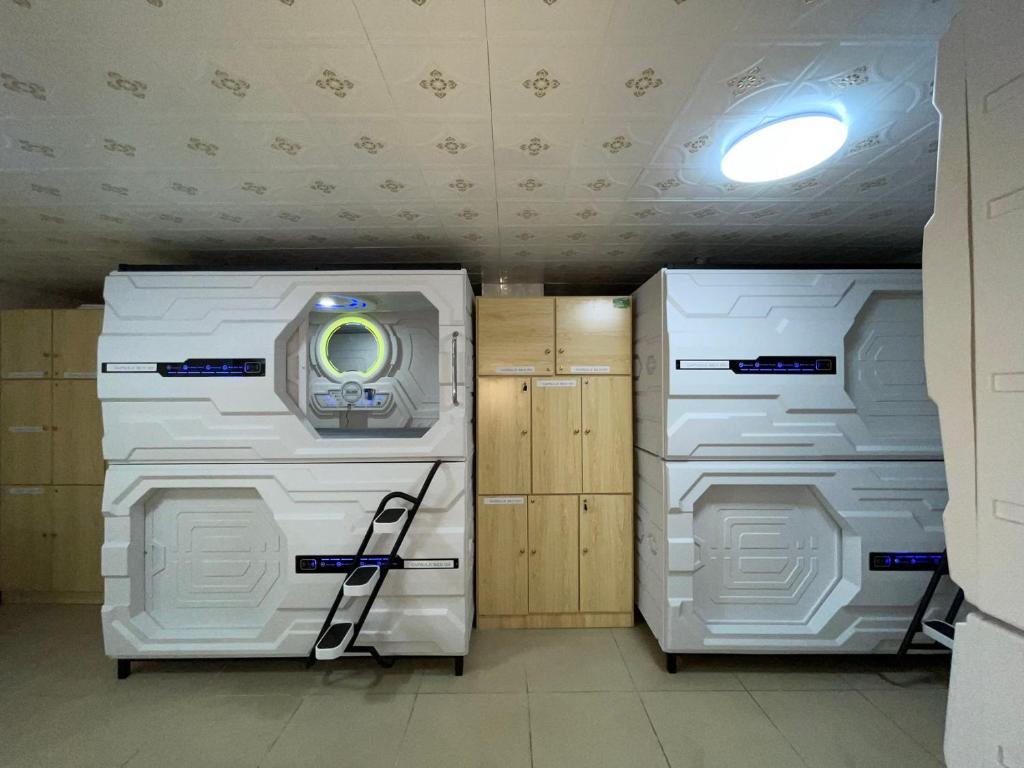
(554, 554)
(593, 334)
(51, 459)
(554, 463)
(502, 577)
(25, 552)
(606, 553)
(76, 334)
(557, 428)
(77, 538)
(77, 431)
(515, 336)
(26, 343)
(503, 424)
(607, 434)
(26, 414)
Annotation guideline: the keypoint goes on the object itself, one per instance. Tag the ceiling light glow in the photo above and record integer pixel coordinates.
(784, 148)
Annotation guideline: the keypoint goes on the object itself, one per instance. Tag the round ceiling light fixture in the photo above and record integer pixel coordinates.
(784, 148)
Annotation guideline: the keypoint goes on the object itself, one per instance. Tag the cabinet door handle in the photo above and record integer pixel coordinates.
(585, 550)
(533, 551)
(522, 551)
(455, 368)
(524, 432)
(586, 431)
(547, 351)
(576, 431)
(561, 351)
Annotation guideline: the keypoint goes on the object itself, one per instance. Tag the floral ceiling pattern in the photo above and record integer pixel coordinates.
(574, 142)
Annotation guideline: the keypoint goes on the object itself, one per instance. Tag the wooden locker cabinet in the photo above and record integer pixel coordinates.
(26, 343)
(606, 553)
(607, 434)
(26, 413)
(557, 428)
(503, 576)
(594, 334)
(77, 432)
(503, 426)
(76, 334)
(25, 546)
(515, 336)
(553, 523)
(76, 536)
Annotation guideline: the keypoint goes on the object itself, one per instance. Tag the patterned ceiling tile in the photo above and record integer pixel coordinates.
(550, 82)
(445, 80)
(580, 21)
(431, 20)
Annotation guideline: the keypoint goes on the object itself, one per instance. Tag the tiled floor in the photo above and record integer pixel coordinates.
(556, 698)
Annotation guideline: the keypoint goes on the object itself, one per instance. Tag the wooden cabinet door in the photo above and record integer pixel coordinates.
(76, 333)
(557, 442)
(26, 557)
(501, 559)
(77, 434)
(26, 341)
(503, 435)
(606, 554)
(25, 417)
(594, 335)
(77, 537)
(607, 434)
(515, 336)
(554, 535)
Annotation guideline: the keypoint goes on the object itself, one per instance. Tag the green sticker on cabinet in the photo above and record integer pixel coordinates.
(621, 303)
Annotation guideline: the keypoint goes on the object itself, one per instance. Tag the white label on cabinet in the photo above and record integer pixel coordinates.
(701, 365)
(79, 375)
(24, 375)
(25, 430)
(590, 369)
(504, 500)
(129, 367)
(515, 369)
(556, 382)
(424, 564)
(25, 491)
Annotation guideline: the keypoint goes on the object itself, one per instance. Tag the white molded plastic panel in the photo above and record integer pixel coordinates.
(737, 557)
(179, 316)
(200, 560)
(692, 405)
(986, 696)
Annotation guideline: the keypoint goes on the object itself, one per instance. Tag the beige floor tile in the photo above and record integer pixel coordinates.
(574, 660)
(223, 731)
(921, 714)
(646, 663)
(345, 731)
(293, 677)
(593, 730)
(495, 664)
(473, 730)
(793, 681)
(698, 730)
(841, 729)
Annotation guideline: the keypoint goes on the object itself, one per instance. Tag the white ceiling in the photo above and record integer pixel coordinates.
(574, 142)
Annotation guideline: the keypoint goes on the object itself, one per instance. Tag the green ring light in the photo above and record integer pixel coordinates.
(329, 331)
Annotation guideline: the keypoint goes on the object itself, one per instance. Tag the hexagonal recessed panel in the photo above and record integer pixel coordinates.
(214, 559)
(765, 555)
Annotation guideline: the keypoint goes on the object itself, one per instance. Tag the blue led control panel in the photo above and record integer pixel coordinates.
(346, 563)
(766, 365)
(905, 561)
(200, 368)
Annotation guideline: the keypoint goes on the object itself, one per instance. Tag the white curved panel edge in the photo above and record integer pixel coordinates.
(689, 325)
(974, 276)
(176, 316)
(748, 557)
(199, 560)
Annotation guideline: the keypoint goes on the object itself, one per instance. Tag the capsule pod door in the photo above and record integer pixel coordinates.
(286, 366)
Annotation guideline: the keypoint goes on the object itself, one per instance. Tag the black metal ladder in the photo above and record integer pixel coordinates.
(941, 631)
(337, 639)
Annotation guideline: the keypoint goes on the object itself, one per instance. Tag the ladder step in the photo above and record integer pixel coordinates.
(361, 581)
(335, 641)
(390, 520)
(941, 632)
